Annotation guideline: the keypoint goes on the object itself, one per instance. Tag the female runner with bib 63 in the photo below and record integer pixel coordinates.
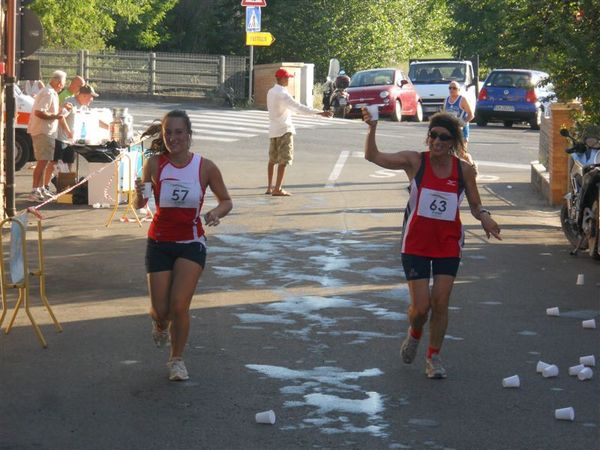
(176, 247)
(432, 232)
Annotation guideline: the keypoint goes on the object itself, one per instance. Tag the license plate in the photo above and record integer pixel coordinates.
(430, 108)
(342, 102)
(504, 108)
(360, 105)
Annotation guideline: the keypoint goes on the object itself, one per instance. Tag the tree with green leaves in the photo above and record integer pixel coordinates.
(98, 24)
(361, 34)
(558, 36)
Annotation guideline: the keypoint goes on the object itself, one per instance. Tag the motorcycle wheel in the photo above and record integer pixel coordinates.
(594, 241)
(569, 230)
(340, 112)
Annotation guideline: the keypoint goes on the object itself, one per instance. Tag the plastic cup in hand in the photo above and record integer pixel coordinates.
(511, 382)
(550, 371)
(580, 279)
(266, 417)
(591, 324)
(585, 374)
(588, 360)
(373, 112)
(554, 311)
(541, 365)
(565, 413)
(574, 370)
(147, 192)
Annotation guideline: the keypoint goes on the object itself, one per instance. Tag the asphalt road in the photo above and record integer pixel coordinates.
(301, 309)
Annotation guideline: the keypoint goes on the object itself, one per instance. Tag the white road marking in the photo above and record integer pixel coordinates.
(337, 169)
(232, 126)
(501, 164)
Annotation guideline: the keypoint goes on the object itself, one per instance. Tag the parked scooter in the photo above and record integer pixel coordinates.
(580, 214)
(328, 86)
(340, 99)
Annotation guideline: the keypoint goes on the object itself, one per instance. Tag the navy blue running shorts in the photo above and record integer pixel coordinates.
(419, 267)
(161, 256)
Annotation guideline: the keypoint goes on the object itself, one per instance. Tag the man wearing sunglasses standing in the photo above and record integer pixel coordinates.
(432, 233)
(458, 106)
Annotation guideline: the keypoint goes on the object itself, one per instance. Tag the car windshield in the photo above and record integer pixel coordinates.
(437, 73)
(510, 80)
(372, 78)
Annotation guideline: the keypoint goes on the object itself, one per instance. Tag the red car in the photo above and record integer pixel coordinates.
(390, 89)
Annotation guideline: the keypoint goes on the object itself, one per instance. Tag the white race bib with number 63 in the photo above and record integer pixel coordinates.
(438, 204)
(179, 194)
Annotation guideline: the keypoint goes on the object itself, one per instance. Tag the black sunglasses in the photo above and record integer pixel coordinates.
(441, 136)
(452, 88)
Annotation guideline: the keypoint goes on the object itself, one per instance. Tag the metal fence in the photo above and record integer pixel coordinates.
(152, 74)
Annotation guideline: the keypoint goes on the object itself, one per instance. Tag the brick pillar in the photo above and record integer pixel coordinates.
(558, 160)
(550, 175)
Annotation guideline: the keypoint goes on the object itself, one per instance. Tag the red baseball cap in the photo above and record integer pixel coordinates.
(282, 73)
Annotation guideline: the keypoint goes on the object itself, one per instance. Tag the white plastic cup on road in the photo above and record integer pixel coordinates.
(550, 371)
(585, 374)
(554, 311)
(580, 279)
(511, 382)
(574, 370)
(565, 413)
(267, 417)
(373, 112)
(147, 192)
(541, 365)
(588, 360)
(590, 324)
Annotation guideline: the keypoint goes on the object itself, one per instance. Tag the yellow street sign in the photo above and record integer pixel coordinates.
(262, 38)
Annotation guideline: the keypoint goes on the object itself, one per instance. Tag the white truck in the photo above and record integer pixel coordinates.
(432, 76)
(23, 144)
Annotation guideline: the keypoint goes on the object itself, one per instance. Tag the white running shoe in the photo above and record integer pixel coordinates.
(177, 370)
(434, 367)
(46, 192)
(408, 349)
(36, 196)
(161, 337)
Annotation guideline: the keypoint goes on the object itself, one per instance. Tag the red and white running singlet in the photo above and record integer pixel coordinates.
(179, 197)
(432, 224)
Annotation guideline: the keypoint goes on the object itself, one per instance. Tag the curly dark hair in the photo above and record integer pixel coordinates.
(452, 124)
(156, 129)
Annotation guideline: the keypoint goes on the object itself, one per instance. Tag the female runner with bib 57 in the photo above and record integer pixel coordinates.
(432, 232)
(176, 247)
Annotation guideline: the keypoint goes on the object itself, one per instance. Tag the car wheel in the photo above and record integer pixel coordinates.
(397, 114)
(418, 117)
(508, 124)
(23, 149)
(481, 121)
(536, 120)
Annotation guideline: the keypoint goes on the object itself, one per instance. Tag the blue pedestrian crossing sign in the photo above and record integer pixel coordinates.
(252, 19)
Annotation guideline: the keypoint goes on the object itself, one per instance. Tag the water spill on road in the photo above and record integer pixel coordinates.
(313, 389)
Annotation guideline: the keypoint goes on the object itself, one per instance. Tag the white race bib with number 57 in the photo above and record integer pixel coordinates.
(438, 204)
(179, 194)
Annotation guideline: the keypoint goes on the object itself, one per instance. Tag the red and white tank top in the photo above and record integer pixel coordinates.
(432, 224)
(179, 197)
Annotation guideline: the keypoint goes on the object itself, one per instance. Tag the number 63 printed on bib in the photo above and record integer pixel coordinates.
(438, 205)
